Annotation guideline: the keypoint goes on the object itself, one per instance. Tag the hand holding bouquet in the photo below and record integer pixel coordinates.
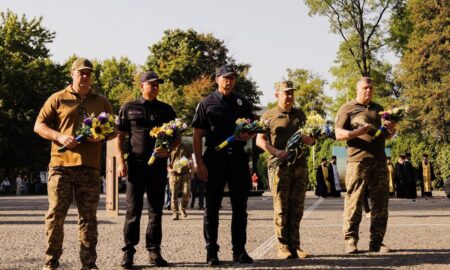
(245, 125)
(165, 135)
(181, 163)
(394, 115)
(315, 126)
(95, 127)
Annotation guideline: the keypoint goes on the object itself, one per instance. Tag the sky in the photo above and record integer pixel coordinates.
(271, 36)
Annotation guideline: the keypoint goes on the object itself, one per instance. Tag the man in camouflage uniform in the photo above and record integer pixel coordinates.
(356, 123)
(288, 182)
(179, 178)
(77, 169)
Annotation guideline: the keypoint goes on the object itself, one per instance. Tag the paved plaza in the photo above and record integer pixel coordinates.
(419, 233)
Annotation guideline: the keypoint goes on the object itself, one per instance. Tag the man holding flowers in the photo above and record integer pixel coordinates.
(180, 170)
(288, 179)
(356, 123)
(136, 119)
(75, 171)
(215, 119)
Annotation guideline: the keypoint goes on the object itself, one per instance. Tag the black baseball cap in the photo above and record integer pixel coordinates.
(225, 70)
(150, 76)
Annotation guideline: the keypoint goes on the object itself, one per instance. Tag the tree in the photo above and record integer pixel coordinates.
(424, 69)
(187, 59)
(27, 78)
(346, 75)
(358, 22)
(400, 27)
(117, 80)
(309, 91)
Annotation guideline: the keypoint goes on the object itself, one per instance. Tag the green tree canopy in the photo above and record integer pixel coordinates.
(424, 68)
(346, 75)
(118, 81)
(186, 59)
(27, 78)
(309, 92)
(359, 20)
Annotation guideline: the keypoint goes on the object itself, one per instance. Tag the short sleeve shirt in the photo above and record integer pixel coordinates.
(217, 114)
(64, 111)
(140, 116)
(182, 150)
(353, 114)
(283, 125)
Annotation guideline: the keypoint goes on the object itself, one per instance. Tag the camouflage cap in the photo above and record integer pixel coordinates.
(284, 86)
(82, 63)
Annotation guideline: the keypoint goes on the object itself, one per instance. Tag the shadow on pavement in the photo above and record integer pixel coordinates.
(371, 260)
(37, 222)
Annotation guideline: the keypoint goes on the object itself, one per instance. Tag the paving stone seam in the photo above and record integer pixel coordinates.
(259, 252)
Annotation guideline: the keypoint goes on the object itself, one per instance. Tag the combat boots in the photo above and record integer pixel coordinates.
(298, 252)
(183, 212)
(127, 260)
(284, 253)
(52, 264)
(379, 248)
(175, 216)
(91, 266)
(156, 259)
(350, 247)
(242, 257)
(211, 258)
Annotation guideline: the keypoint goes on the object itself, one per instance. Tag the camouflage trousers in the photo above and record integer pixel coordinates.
(63, 182)
(179, 184)
(288, 185)
(374, 174)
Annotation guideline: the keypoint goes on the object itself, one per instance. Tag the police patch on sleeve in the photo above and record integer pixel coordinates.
(239, 102)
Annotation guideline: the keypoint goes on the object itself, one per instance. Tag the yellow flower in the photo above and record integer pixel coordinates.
(111, 119)
(240, 121)
(98, 130)
(169, 132)
(154, 132)
(108, 128)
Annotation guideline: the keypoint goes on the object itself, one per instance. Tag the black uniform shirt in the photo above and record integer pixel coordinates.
(138, 117)
(217, 115)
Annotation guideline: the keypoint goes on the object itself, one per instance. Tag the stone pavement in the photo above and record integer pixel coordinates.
(417, 231)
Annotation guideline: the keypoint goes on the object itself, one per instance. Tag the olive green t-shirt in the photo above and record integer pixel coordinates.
(282, 126)
(64, 111)
(349, 117)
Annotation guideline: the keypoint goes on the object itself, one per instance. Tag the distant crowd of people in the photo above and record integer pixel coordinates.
(22, 184)
(404, 179)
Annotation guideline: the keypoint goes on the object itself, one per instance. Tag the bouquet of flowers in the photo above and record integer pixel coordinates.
(315, 126)
(245, 125)
(165, 135)
(94, 127)
(181, 163)
(394, 115)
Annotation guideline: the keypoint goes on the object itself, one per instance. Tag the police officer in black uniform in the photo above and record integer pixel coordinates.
(215, 119)
(136, 119)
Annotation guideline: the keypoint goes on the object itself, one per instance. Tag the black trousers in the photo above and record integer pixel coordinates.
(227, 166)
(198, 188)
(151, 179)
